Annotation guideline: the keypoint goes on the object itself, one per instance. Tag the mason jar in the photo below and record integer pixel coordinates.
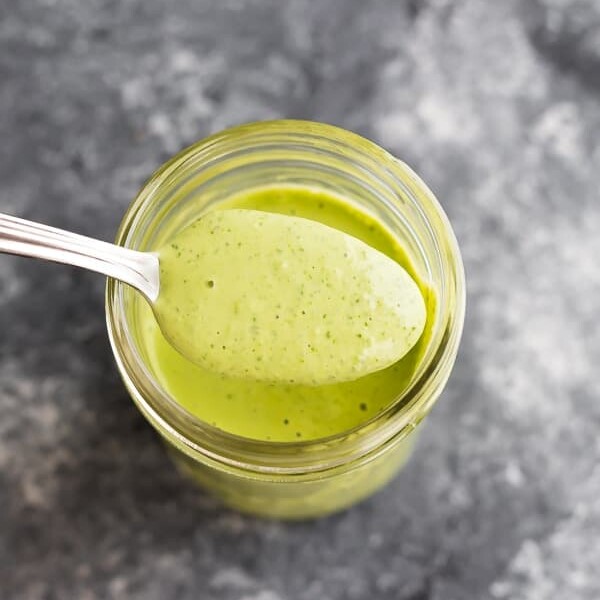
(303, 478)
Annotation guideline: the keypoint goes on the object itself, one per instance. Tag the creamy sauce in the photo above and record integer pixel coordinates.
(285, 412)
(284, 299)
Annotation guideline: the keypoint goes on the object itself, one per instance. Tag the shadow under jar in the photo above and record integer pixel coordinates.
(300, 478)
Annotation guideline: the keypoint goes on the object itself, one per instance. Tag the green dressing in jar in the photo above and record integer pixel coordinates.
(242, 400)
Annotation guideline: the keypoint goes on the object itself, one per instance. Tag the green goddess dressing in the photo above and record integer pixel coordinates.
(299, 317)
(284, 299)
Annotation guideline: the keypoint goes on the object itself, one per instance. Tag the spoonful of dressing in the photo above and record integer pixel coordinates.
(257, 295)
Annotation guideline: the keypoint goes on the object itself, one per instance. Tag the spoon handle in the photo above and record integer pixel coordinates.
(27, 238)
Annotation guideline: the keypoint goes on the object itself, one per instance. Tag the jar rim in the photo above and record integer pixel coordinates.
(201, 440)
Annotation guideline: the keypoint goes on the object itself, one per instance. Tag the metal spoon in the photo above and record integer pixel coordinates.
(268, 302)
(27, 238)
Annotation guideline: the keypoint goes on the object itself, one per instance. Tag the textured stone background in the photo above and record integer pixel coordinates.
(496, 104)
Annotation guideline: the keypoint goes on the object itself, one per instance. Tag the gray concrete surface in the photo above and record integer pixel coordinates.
(496, 104)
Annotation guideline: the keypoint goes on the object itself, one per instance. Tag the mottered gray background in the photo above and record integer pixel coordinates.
(496, 105)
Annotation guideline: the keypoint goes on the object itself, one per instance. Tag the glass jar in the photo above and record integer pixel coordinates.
(304, 478)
